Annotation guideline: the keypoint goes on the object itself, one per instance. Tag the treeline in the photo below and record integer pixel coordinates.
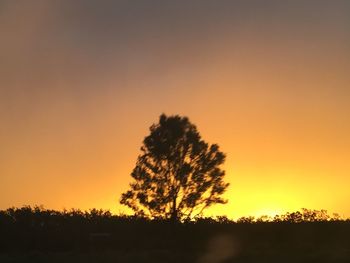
(305, 215)
(35, 228)
(39, 216)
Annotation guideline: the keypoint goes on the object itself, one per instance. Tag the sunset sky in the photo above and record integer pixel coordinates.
(269, 81)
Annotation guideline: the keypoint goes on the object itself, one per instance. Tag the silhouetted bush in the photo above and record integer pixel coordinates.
(37, 229)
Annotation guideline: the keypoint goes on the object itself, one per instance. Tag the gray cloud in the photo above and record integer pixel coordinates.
(75, 44)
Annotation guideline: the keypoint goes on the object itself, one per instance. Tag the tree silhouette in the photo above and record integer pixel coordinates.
(177, 175)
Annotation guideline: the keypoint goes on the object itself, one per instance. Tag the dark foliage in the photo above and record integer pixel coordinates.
(177, 174)
(39, 235)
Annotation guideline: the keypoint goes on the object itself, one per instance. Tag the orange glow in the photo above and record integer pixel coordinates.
(271, 90)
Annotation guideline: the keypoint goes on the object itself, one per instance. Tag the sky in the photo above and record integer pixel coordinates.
(81, 82)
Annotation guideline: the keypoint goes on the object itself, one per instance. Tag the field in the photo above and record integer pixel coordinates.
(75, 237)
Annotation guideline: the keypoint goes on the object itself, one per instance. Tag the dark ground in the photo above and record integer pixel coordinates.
(104, 238)
(260, 242)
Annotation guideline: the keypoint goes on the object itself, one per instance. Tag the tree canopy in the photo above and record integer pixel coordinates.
(177, 174)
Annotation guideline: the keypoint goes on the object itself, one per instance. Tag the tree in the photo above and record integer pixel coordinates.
(177, 174)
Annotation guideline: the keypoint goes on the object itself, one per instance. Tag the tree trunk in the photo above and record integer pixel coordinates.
(174, 211)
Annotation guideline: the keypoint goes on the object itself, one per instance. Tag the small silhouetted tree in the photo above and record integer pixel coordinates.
(177, 174)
